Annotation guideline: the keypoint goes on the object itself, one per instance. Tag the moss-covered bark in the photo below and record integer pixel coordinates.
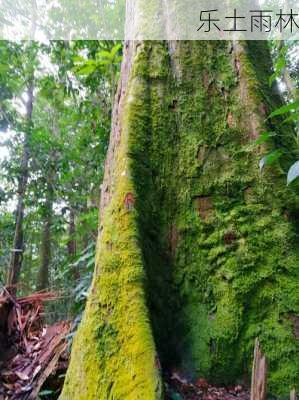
(197, 251)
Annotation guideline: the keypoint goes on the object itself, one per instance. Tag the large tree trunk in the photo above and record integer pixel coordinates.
(196, 254)
(18, 243)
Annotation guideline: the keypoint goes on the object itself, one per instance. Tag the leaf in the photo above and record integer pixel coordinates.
(45, 392)
(3, 68)
(86, 69)
(105, 57)
(36, 371)
(264, 137)
(285, 109)
(79, 58)
(103, 54)
(22, 376)
(270, 158)
(115, 50)
(293, 118)
(118, 59)
(272, 78)
(90, 262)
(280, 65)
(293, 172)
(104, 62)
(176, 396)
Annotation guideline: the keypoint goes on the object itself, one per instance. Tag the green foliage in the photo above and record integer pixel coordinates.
(292, 118)
(6, 234)
(85, 265)
(104, 60)
(264, 137)
(285, 109)
(68, 142)
(280, 65)
(44, 393)
(281, 68)
(270, 158)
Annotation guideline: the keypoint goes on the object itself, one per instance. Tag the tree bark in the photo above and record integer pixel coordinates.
(43, 273)
(196, 249)
(293, 395)
(259, 374)
(47, 212)
(18, 243)
(72, 245)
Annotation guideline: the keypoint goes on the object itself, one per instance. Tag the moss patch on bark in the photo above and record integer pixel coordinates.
(204, 258)
(223, 270)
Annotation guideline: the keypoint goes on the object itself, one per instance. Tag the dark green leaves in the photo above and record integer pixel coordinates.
(270, 158)
(103, 62)
(279, 65)
(86, 68)
(264, 137)
(285, 109)
(293, 118)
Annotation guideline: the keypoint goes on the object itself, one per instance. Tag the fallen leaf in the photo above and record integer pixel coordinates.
(36, 371)
(22, 376)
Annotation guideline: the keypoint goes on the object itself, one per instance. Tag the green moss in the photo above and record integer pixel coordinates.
(114, 354)
(203, 277)
(214, 283)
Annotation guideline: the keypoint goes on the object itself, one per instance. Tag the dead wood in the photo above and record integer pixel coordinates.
(259, 374)
(30, 351)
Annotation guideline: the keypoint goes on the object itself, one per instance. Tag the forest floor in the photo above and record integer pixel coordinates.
(178, 388)
(31, 352)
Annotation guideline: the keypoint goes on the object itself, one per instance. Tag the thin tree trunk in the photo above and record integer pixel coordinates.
(43, 274)
(259, 374)
(87, 234)
(196, 252)
(45, 252)
(72, 245)
(293, 395)
(18, 243)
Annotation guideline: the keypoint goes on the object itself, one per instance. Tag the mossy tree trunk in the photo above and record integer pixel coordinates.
(196, 255)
